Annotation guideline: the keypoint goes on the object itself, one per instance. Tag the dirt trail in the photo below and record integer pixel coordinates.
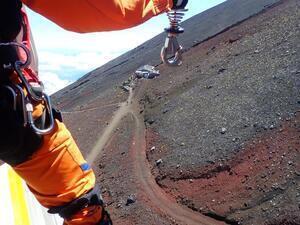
(143, 173)
(153, 191)
(105, 136)
(90, 109)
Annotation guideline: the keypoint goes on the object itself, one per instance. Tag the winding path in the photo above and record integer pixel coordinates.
(182, 215)
(90, 109)
(107, 133)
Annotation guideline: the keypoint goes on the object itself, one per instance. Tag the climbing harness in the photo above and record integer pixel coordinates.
(171, 53)
(28, 94)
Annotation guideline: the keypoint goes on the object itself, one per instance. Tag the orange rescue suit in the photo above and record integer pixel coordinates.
(98, 15)
(55, 173)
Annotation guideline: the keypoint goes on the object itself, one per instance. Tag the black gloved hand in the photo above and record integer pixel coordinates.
(179, 4)
(10, 19)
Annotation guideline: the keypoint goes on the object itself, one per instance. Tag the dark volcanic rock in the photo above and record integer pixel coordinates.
(130, 200)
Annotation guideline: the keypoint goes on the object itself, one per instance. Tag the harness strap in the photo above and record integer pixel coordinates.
(105, 220)
(91, 198)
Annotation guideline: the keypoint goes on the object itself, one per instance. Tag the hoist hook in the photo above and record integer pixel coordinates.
(171, 53)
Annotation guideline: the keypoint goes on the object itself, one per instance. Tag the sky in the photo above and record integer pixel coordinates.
(66, 56)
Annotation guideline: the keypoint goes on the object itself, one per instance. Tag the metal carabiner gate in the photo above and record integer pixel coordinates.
(171, 53)
(28, 96)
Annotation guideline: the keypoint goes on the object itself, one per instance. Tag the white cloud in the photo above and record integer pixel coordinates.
(58, 70)
(81, 61)
(53, 82)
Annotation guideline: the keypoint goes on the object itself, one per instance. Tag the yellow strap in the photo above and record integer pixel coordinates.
(19, 205)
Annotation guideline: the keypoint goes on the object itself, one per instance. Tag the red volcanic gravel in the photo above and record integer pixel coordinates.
(249, 183)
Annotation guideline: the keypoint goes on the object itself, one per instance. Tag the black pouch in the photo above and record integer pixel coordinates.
(17, 143)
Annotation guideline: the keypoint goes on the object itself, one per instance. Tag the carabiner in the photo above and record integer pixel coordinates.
(27, 109)
(30, 120)
(171, 53)
(24, 48)
(33, 96)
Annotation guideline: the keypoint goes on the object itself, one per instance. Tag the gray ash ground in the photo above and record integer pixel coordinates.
(247, 87)
(224, 125)
(232, 89)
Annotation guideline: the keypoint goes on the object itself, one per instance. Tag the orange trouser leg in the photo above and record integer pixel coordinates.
(57, 174)
(98, 15)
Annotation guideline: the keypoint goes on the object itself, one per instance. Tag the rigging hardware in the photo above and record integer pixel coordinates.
(27, 94)
(171, 53)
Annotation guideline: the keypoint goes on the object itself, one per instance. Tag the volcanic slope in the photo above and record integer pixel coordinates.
(224, 125)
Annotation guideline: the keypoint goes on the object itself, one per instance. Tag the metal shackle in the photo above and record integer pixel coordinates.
(171, 53)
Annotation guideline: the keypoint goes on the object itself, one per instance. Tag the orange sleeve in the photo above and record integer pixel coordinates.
(98, 15)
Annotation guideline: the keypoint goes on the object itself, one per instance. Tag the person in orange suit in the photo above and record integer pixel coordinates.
(51, 164)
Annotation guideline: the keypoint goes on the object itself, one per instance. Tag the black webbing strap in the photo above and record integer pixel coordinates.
(105, 220)
(57, 114)
(91, 198)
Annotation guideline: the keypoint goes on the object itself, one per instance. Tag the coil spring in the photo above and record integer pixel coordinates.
(175, 17)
